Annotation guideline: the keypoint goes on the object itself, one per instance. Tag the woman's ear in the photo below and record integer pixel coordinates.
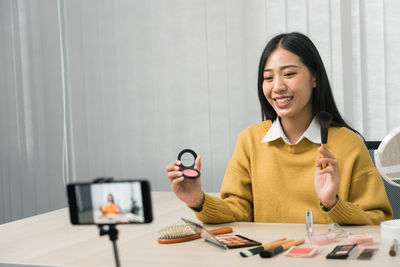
(314, 80)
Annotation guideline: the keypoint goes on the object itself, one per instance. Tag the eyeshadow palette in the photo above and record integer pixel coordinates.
(223, 241)
(237, 241)
(342, 252)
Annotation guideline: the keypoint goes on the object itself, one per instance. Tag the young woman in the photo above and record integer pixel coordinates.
(275, 173)
(110, 207)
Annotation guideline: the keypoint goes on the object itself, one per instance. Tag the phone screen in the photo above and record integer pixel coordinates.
(116, 202)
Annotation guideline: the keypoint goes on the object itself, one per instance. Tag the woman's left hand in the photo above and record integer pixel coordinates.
(326, 181)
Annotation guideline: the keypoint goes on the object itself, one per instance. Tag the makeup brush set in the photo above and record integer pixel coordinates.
(273, 248)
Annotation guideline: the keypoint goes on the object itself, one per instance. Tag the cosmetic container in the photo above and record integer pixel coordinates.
(322, 239)
(188, 158)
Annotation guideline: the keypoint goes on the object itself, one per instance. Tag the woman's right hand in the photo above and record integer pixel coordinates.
(187, 190)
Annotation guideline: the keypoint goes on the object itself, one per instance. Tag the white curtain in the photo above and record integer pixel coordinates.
(117, 88)
(30, 109)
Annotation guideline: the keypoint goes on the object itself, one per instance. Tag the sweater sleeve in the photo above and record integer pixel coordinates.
(235, 203)
(366, 202)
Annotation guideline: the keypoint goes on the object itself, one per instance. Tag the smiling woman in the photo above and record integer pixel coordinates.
(275, 173)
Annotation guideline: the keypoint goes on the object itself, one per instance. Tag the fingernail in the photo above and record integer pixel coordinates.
(176, 168)
(179, 173)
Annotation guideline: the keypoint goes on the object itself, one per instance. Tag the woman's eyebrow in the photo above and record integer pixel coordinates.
(284, 67)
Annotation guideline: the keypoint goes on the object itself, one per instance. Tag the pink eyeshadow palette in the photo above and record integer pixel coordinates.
(237, 241)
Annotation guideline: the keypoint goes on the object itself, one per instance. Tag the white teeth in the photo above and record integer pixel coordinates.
(282, 100)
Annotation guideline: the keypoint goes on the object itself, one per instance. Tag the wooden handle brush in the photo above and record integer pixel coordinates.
(325, 119)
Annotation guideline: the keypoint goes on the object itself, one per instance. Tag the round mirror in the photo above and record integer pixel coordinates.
(387, 157)
(387, 161)
(187, 157)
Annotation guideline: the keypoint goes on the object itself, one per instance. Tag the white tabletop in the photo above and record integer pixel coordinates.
(50, 239)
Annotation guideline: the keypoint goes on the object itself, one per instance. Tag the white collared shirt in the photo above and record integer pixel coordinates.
(313, 132)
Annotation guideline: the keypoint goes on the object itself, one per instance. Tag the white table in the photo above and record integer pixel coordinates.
(50, 239)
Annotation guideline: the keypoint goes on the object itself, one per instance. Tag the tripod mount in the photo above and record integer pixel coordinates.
(112, 233)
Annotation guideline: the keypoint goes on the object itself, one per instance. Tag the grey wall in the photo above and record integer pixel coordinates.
(118, 87)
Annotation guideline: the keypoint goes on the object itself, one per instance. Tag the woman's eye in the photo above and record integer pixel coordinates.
(267, 78)
(290, 74)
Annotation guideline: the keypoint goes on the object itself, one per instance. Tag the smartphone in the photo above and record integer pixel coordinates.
(111, 202)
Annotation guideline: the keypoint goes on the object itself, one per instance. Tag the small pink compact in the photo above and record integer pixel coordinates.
(188, 158)
(301, 252)
(322, 239)
(362, 240)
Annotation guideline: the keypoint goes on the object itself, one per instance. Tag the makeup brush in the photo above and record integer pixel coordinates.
(325, 119)
(182, 233)
(267, 246)
(393, 248)
(272, 252)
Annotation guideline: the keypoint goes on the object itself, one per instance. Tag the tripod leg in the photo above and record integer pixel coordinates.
(112, 232)
(116, 253)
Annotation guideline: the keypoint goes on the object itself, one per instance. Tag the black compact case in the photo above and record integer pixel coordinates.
(187, 157)
(342, 252)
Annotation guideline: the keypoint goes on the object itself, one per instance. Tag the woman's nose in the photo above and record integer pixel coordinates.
(279, 85)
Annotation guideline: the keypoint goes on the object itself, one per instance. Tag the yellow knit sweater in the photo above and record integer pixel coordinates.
(274, 182)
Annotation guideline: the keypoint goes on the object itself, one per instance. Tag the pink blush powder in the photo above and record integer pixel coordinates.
(190, 172)
(301, 250)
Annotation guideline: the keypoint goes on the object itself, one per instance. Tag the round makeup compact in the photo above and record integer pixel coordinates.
(188, 157)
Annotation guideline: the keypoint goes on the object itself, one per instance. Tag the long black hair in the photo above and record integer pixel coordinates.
(322, 97)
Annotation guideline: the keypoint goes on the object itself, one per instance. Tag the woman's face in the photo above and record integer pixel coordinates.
(288, 85)
(110, 198)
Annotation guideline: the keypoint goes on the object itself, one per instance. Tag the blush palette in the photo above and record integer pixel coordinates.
(301, 252)
(187, 157)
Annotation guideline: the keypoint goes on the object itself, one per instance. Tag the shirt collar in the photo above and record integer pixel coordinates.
(313, 133)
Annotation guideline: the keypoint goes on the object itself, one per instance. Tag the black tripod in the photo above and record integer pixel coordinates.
(112, 232)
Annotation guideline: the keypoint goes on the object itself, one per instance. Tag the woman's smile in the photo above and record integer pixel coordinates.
(283, 101)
